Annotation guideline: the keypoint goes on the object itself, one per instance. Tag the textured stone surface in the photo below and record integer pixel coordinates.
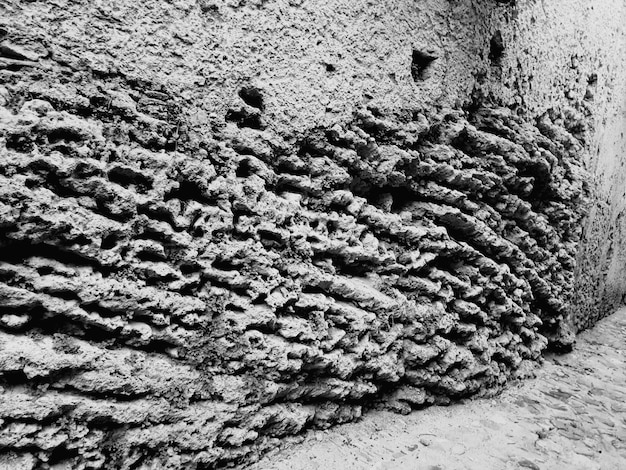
(206, 247)
(570, 415)
(267, 288)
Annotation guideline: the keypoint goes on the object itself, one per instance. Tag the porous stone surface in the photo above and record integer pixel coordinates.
(195, 266)
(264, 287)
(570, 415)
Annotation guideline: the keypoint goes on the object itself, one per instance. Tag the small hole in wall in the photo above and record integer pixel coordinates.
(330, 67)
(496, 47)
(61, 454)
(189, 268)
(252, 97)
(109, 241)
(244, 118)
(260, 299)
(244, 169)
(420, 62)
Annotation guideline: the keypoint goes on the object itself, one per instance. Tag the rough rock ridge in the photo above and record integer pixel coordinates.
(169, 301)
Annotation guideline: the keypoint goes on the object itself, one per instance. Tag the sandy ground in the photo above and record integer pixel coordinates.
(571, 416)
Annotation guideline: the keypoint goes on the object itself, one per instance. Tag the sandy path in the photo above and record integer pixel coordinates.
(571, 416)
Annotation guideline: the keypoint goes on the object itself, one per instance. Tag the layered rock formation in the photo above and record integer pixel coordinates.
(167, 301)
(186, 288)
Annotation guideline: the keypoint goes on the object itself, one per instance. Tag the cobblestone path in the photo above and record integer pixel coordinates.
(571, 416)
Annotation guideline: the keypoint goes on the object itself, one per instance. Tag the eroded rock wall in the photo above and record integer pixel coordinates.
(186, 282)
(264, 287)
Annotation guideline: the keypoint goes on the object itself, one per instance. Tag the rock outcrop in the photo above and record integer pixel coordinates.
(225, 222)
(168, 300)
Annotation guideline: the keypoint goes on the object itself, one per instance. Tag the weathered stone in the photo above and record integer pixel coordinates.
(179, 288)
